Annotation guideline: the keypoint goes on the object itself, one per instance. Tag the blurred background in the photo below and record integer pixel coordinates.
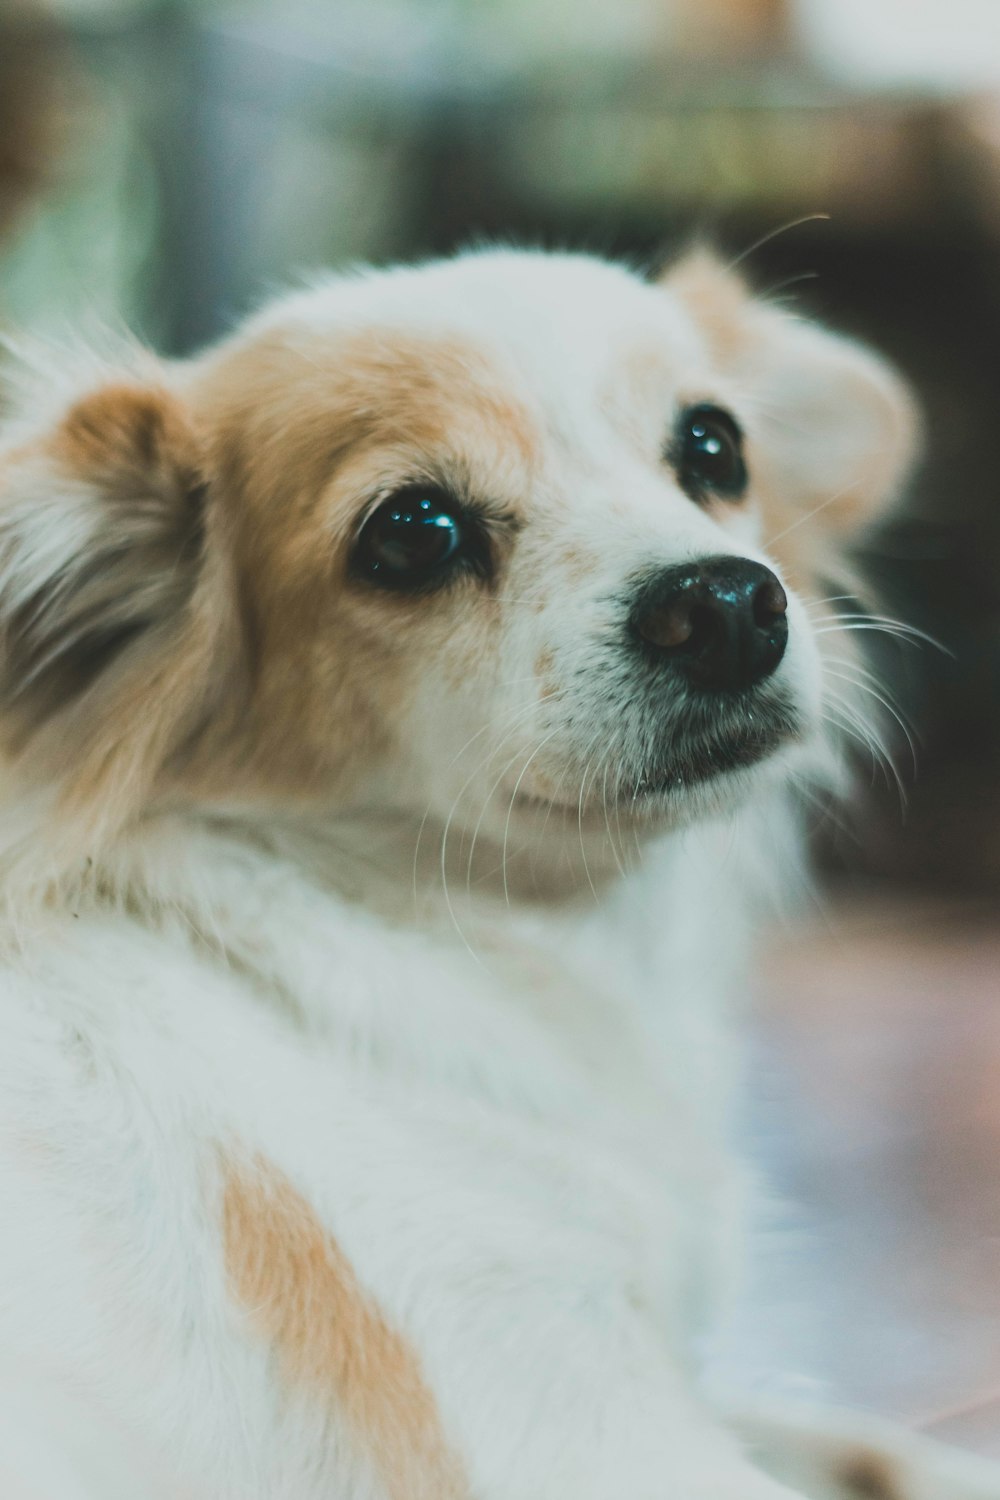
(163, 163)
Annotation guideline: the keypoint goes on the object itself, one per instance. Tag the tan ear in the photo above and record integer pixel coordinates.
(99, 526)
(102, 551)
(835, 429)
(715, 296)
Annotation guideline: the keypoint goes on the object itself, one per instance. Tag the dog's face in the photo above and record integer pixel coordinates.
(489, 539)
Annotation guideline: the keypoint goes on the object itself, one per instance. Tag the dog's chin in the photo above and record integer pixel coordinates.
(701, 781)
(691, 779)
(715, 759)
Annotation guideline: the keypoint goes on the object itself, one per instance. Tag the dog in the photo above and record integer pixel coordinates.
(405, 707)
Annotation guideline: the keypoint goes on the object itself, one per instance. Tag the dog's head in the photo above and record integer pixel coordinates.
(489, 539)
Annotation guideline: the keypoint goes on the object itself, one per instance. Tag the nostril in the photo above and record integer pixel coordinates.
(668, 626)
(686, 625)
(770, 603)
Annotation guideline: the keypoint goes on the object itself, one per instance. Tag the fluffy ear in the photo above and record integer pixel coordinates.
(835, 430)
(102, 532)
(99, 535)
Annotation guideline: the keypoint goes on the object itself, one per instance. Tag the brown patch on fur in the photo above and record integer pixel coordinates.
(304, 430)
(578, 563)
(545, 671)
(717, 299)
(128, 436)
(869, 1475)
(800, 549)
(303, 1296)
(113, 617)
(288, 410)
(544, 662)
(150, 711)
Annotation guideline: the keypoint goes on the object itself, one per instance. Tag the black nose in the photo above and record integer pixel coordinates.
(721, 622)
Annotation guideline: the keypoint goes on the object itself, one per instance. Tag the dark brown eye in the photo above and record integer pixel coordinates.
(707, 453)
(415, 540)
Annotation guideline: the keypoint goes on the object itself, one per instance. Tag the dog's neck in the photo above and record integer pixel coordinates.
(413, 868)
(465, 884)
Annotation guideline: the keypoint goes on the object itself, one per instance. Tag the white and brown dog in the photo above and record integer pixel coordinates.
(401, 710)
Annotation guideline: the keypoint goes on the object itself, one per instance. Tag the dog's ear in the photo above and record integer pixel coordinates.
(102, 551)
(836, 430)
(100, 530)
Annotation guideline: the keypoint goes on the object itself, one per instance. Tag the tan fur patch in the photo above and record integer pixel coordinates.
(287, 410)
(124, 433)
(578, 564)
(545, 671)
(717, 299)
(109, 655)
(869, 1475)
(303, 1296)
(801, 550)
(303, 430)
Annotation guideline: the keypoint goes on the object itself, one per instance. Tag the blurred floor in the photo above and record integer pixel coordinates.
(875, 1088)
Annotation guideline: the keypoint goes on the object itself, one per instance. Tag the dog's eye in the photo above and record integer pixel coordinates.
(413, 540)
(708, 453)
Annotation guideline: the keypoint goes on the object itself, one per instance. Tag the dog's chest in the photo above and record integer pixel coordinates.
(535, 1116)
(570, 1073)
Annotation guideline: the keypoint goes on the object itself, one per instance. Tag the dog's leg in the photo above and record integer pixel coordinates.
(837, 1455)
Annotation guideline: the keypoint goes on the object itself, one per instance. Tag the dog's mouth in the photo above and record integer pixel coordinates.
(714, 756)
(699, 760)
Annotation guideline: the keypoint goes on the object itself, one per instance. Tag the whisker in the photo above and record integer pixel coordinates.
(453, 762)
(484, 806)
(579, 817)
(773, 234)
(824, 807)
(876, 685)
(513, 724)
(801, 520)
(607, 820)
(885, 623)
(513, 798)
(866, 735)
(782, 286)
